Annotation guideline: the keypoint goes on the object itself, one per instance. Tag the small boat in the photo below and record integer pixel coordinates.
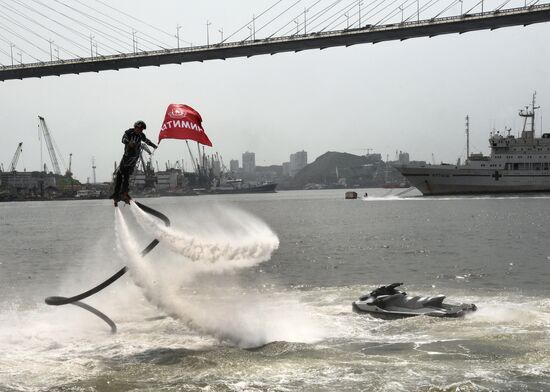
(389, 303)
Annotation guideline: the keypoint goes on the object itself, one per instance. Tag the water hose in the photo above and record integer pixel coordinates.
(75, 300)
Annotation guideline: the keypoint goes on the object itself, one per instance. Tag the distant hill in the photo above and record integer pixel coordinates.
(323, 169)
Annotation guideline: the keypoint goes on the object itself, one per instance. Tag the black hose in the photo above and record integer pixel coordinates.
(56, 301)
(97, 313)
(153, 212)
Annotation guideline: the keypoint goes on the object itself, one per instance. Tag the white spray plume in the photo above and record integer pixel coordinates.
(244, 319)
(219, 234)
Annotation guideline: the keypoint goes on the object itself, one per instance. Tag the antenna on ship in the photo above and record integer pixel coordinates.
(529, 114)
(467, 137)
(93, 169)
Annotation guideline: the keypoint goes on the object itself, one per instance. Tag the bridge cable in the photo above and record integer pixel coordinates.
(467, 12)
(394, 12)
(330, 18)
(424, 8)
(6, 53)
(399, 9)
(365, 12)
(502, 5)
(279, 15)
(322, 12)
(133, 17)
(123, 23)
(336, 18)
(292, 20)
(16, 11)
(311, 20)
(266, 24)
(99, 32)
(275, 18)
(59, 23)
(5, 17)
(14, 21)
(386, 17)
(455, 2)
(346, 16)
(111, 26)
(247, 23)
(17, 46)
(123, 41)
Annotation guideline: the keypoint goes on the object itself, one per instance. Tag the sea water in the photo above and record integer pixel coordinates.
(254, 292)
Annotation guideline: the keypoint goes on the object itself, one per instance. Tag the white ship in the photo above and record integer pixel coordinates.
(516, 164)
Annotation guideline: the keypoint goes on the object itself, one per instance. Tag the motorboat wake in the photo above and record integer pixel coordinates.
(389, 303)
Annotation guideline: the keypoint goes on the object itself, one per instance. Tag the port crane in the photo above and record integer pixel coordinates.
(50, 144)
(18, 152)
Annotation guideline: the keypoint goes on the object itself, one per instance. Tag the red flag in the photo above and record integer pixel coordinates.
(183, 122)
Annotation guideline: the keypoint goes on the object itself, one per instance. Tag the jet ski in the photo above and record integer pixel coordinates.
(390, 303)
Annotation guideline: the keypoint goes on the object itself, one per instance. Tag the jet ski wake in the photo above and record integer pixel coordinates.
(76, 300)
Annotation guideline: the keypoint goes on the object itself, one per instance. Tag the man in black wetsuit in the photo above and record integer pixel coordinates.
(132, 140)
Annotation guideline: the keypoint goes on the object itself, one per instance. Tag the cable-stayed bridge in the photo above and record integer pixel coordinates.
(318, 26)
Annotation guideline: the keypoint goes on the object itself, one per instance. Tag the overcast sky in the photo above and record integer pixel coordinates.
(411, 96)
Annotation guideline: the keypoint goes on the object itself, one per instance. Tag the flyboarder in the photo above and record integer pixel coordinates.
(132, 140)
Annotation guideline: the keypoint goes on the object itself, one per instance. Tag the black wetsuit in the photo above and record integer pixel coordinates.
(129, 159)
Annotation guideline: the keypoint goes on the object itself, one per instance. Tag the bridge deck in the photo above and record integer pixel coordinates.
(367, 34)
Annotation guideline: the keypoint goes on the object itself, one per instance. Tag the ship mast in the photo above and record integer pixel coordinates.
(529, 114)
(467, 137)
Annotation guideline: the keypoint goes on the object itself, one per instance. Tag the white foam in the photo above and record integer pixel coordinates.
(245, 319)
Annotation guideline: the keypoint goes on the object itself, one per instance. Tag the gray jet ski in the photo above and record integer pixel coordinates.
(389, 303)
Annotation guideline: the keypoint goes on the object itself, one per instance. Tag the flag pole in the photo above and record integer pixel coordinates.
(200, 159)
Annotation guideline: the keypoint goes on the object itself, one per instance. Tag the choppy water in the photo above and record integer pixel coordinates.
(253, 293)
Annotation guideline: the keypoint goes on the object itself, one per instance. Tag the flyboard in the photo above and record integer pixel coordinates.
(76, 300)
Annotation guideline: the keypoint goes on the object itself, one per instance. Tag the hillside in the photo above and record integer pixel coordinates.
(323, 170)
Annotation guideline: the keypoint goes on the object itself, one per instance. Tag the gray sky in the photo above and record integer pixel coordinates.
(410, 96)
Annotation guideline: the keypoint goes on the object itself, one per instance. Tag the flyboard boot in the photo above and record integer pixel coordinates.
(116, 198)
(125, 197)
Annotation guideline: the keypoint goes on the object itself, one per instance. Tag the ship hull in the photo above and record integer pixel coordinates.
(459, 180)
(264, 188)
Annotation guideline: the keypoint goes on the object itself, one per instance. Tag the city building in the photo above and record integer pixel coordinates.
(298, 161)
(27, 181)
(167, 180)
(286, 169)
(249, 162)
(404, 158)
(216, 167)
(234, 165)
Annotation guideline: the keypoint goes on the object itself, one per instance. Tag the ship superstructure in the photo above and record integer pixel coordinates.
(516, 164)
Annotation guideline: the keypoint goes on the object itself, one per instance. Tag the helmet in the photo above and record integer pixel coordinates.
(140, 124)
